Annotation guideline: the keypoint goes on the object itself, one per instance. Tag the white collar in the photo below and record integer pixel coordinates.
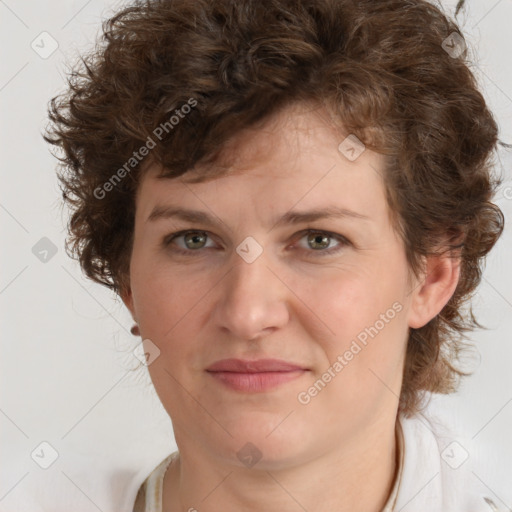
(436, 477)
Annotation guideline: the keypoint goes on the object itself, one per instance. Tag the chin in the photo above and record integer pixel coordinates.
(273, 448)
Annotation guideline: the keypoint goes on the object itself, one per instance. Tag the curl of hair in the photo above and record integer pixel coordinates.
(378, 66)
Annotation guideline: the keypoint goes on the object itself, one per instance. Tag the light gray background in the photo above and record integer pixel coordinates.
(68, 375)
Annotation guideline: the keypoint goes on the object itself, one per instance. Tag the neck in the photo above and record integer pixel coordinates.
(355, 476)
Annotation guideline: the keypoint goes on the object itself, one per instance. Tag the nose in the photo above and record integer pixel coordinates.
(252, 300)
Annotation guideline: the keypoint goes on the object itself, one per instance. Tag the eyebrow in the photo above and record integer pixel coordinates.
(291, 217)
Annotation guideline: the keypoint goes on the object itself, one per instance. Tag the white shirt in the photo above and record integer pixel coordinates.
(430, 477)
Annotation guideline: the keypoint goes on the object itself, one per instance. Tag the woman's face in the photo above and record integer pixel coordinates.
(249, 283)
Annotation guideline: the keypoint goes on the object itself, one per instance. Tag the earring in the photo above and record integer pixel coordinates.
(135, 330)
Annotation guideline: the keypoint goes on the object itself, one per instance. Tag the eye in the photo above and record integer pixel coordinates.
(320, 242)
(192, 241)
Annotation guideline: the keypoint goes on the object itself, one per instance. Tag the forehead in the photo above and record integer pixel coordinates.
(293, 156)
(301, 130)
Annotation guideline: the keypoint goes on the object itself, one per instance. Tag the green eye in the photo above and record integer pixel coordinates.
(319, 242)
(195, 240)
(190, 241)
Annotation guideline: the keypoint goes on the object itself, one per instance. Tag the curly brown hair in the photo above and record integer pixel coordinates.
(382, 68)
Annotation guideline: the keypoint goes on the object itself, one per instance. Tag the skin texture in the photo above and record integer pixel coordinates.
(337, 452)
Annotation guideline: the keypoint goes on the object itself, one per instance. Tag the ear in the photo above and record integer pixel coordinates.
(434, 290)
(127, 298)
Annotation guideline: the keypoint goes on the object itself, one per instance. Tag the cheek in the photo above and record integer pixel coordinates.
(365, 307)
(168, 305)
(364, 353)
(167, 301)
(344, 299)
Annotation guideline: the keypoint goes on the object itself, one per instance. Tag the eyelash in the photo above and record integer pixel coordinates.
(318, 253)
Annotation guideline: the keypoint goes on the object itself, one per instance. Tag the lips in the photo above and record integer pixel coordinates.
(262, 375)
(256, 366)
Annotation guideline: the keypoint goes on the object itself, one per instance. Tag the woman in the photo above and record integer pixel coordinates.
(293, 201)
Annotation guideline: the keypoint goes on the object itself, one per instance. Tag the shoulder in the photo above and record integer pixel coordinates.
(441, 471)
(149, 495)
